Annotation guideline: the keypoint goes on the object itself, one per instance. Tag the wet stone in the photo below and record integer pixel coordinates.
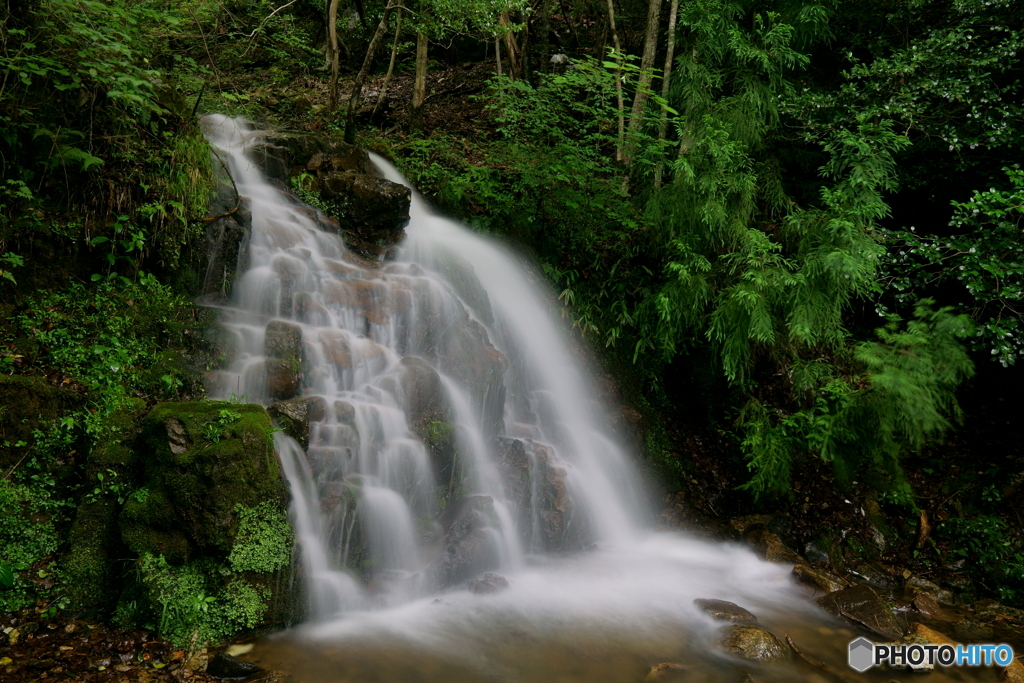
(821, 578)
(226, 667)
(722, 610)
(864, 605)
(753, 642)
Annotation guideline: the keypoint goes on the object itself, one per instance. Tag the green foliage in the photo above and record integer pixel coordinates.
(984, 256)
(264, 539)
(28, 536)
(193, 603)
(900, 398)
(987, 544)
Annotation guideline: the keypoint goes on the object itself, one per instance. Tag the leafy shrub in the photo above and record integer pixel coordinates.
(28, 534)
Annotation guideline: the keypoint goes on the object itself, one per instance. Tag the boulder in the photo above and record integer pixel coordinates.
(209, 515)
(295, 414)
(561, 527)
(864, 605)
(375, 208)
(284, 154)
(469, 543)
(753, 642)
(283, 340)
(282, 344)
(283, 379)
(769, 546)
(204, 460)
(513, 466)
(722, 610)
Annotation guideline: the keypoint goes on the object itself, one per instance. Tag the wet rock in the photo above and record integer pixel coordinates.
(970, 630)
(282, 154)
(428, 413)
(514, 469)
(561, 528)
(863, 605)
(469, 543)
(919, 584)
(992, 609)
(667, 672)
(283, 340)
(375, 208)
(753, 642)
(721, 610)
(825, 580)
(227, 240)
(779, 525)
(491, 583)
(294, 416)
(927, 605)
(874, 574)
(283, 379)
(227, 667)
(769, 546)
(466, 354)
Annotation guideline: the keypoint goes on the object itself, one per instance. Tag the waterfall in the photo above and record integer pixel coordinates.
(456, 430)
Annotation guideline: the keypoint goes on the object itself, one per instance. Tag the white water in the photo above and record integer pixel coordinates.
(368, 487)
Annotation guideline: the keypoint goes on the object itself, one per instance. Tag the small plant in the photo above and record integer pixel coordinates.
(217, 429)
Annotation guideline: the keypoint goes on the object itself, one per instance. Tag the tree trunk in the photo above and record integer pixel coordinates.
(643, 86)
(618, 80)
(391, 65)
(527, 66)
(545, 29)
(357, 87)
(497, 55)
(515, 70)
(332, 35)
(419, 85)
(666, 83)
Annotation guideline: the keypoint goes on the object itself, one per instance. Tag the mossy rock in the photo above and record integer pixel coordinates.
(205, 459)
(93, 545)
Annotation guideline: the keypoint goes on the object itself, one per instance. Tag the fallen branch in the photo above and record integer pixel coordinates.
(820, 665)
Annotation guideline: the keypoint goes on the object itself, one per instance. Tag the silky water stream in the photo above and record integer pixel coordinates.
(529, 480)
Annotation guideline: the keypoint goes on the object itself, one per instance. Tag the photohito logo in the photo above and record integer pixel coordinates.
(864, 654)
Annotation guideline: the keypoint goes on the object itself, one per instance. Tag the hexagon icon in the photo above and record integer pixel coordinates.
(862, 654)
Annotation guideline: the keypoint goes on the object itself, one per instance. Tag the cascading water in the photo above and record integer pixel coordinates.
(455, 431)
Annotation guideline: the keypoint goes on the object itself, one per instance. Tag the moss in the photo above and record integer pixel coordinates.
(93, 543)
(149, 526)
(27, 404)
(208, 523)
